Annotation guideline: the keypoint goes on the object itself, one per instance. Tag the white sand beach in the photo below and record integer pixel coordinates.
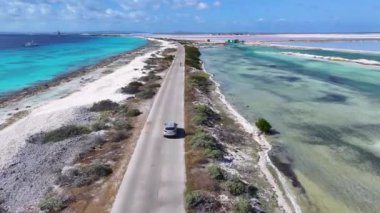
(57, 112)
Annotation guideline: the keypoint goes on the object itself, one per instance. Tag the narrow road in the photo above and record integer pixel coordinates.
(155, 177)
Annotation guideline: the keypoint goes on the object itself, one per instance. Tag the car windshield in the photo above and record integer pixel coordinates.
(170, 128)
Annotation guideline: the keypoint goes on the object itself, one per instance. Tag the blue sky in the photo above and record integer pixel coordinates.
(260, 16)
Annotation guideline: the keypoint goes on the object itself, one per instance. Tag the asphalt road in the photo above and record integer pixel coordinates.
(155, 178)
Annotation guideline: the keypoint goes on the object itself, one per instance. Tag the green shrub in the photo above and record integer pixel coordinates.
(132, 88)
(208, 144)
(263, 125)
(193, 199)
(120, 124)
(252, 190)
(133, 113)
(64, 132)
(105, 105)
(201, 81)
(203, 140)
(86, 175)
(53, 202)
(102, 121)
(117, 136)
(243, 206)
(192, 55)
(152, 85)
(150, 77)
(146, 94)
(204, 115)
(99, 125)
(123, 110)
(235, 187)
(201, 201)
(169, 57)
(215, 153)
(215, 172)
(98, 170)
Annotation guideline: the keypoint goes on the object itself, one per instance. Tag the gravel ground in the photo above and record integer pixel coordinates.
(36, 167)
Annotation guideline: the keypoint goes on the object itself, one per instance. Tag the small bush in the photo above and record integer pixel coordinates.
(132, 88)
(204, 115)
(98, 170)
(117, 136)
(102, 122)
(201, 201)
(252, 190)
(169, 57)
(216, 154)
(146, 94)
(152, 85)
(86, 175)
(243, 206)
(194, 199)
(120, 124)
(53, 202)
(150, 77)
(216, 172)
(64, 133)
(235, 187)
(201, 81)
(203, 140)
(208, 144)
(99, 125)
(133, 113)
(263, 125)
(105, 105)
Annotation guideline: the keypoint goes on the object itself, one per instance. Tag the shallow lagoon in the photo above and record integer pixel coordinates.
(22, 67)
(327, 114)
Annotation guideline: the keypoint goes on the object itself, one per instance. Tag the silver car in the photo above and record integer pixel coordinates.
(170, 129)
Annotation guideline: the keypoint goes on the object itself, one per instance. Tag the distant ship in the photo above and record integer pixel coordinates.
(31, 43)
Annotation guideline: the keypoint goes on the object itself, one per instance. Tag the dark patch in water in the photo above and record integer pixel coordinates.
(248, 75)
(264, 79)
(335, 139)
(289, 78)
(333, 97)
(280, 158)
(335, 79)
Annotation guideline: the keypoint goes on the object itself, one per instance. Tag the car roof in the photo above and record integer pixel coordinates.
(170, 124)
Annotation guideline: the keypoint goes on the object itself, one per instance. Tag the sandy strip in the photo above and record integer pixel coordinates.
(264, 160)
(57, 112)
(288, 46)
(335, 59)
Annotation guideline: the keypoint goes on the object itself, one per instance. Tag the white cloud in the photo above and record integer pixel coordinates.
(260, 19)
(217, 3)
(202, 6)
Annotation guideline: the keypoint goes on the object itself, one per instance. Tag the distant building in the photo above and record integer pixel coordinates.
(234, 41)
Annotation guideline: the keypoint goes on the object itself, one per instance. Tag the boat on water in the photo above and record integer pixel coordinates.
(31, 43)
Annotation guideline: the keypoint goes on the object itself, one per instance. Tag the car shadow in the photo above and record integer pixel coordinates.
(180, 134)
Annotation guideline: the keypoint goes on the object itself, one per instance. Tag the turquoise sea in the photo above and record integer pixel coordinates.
(327, 115)
(21, 67)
